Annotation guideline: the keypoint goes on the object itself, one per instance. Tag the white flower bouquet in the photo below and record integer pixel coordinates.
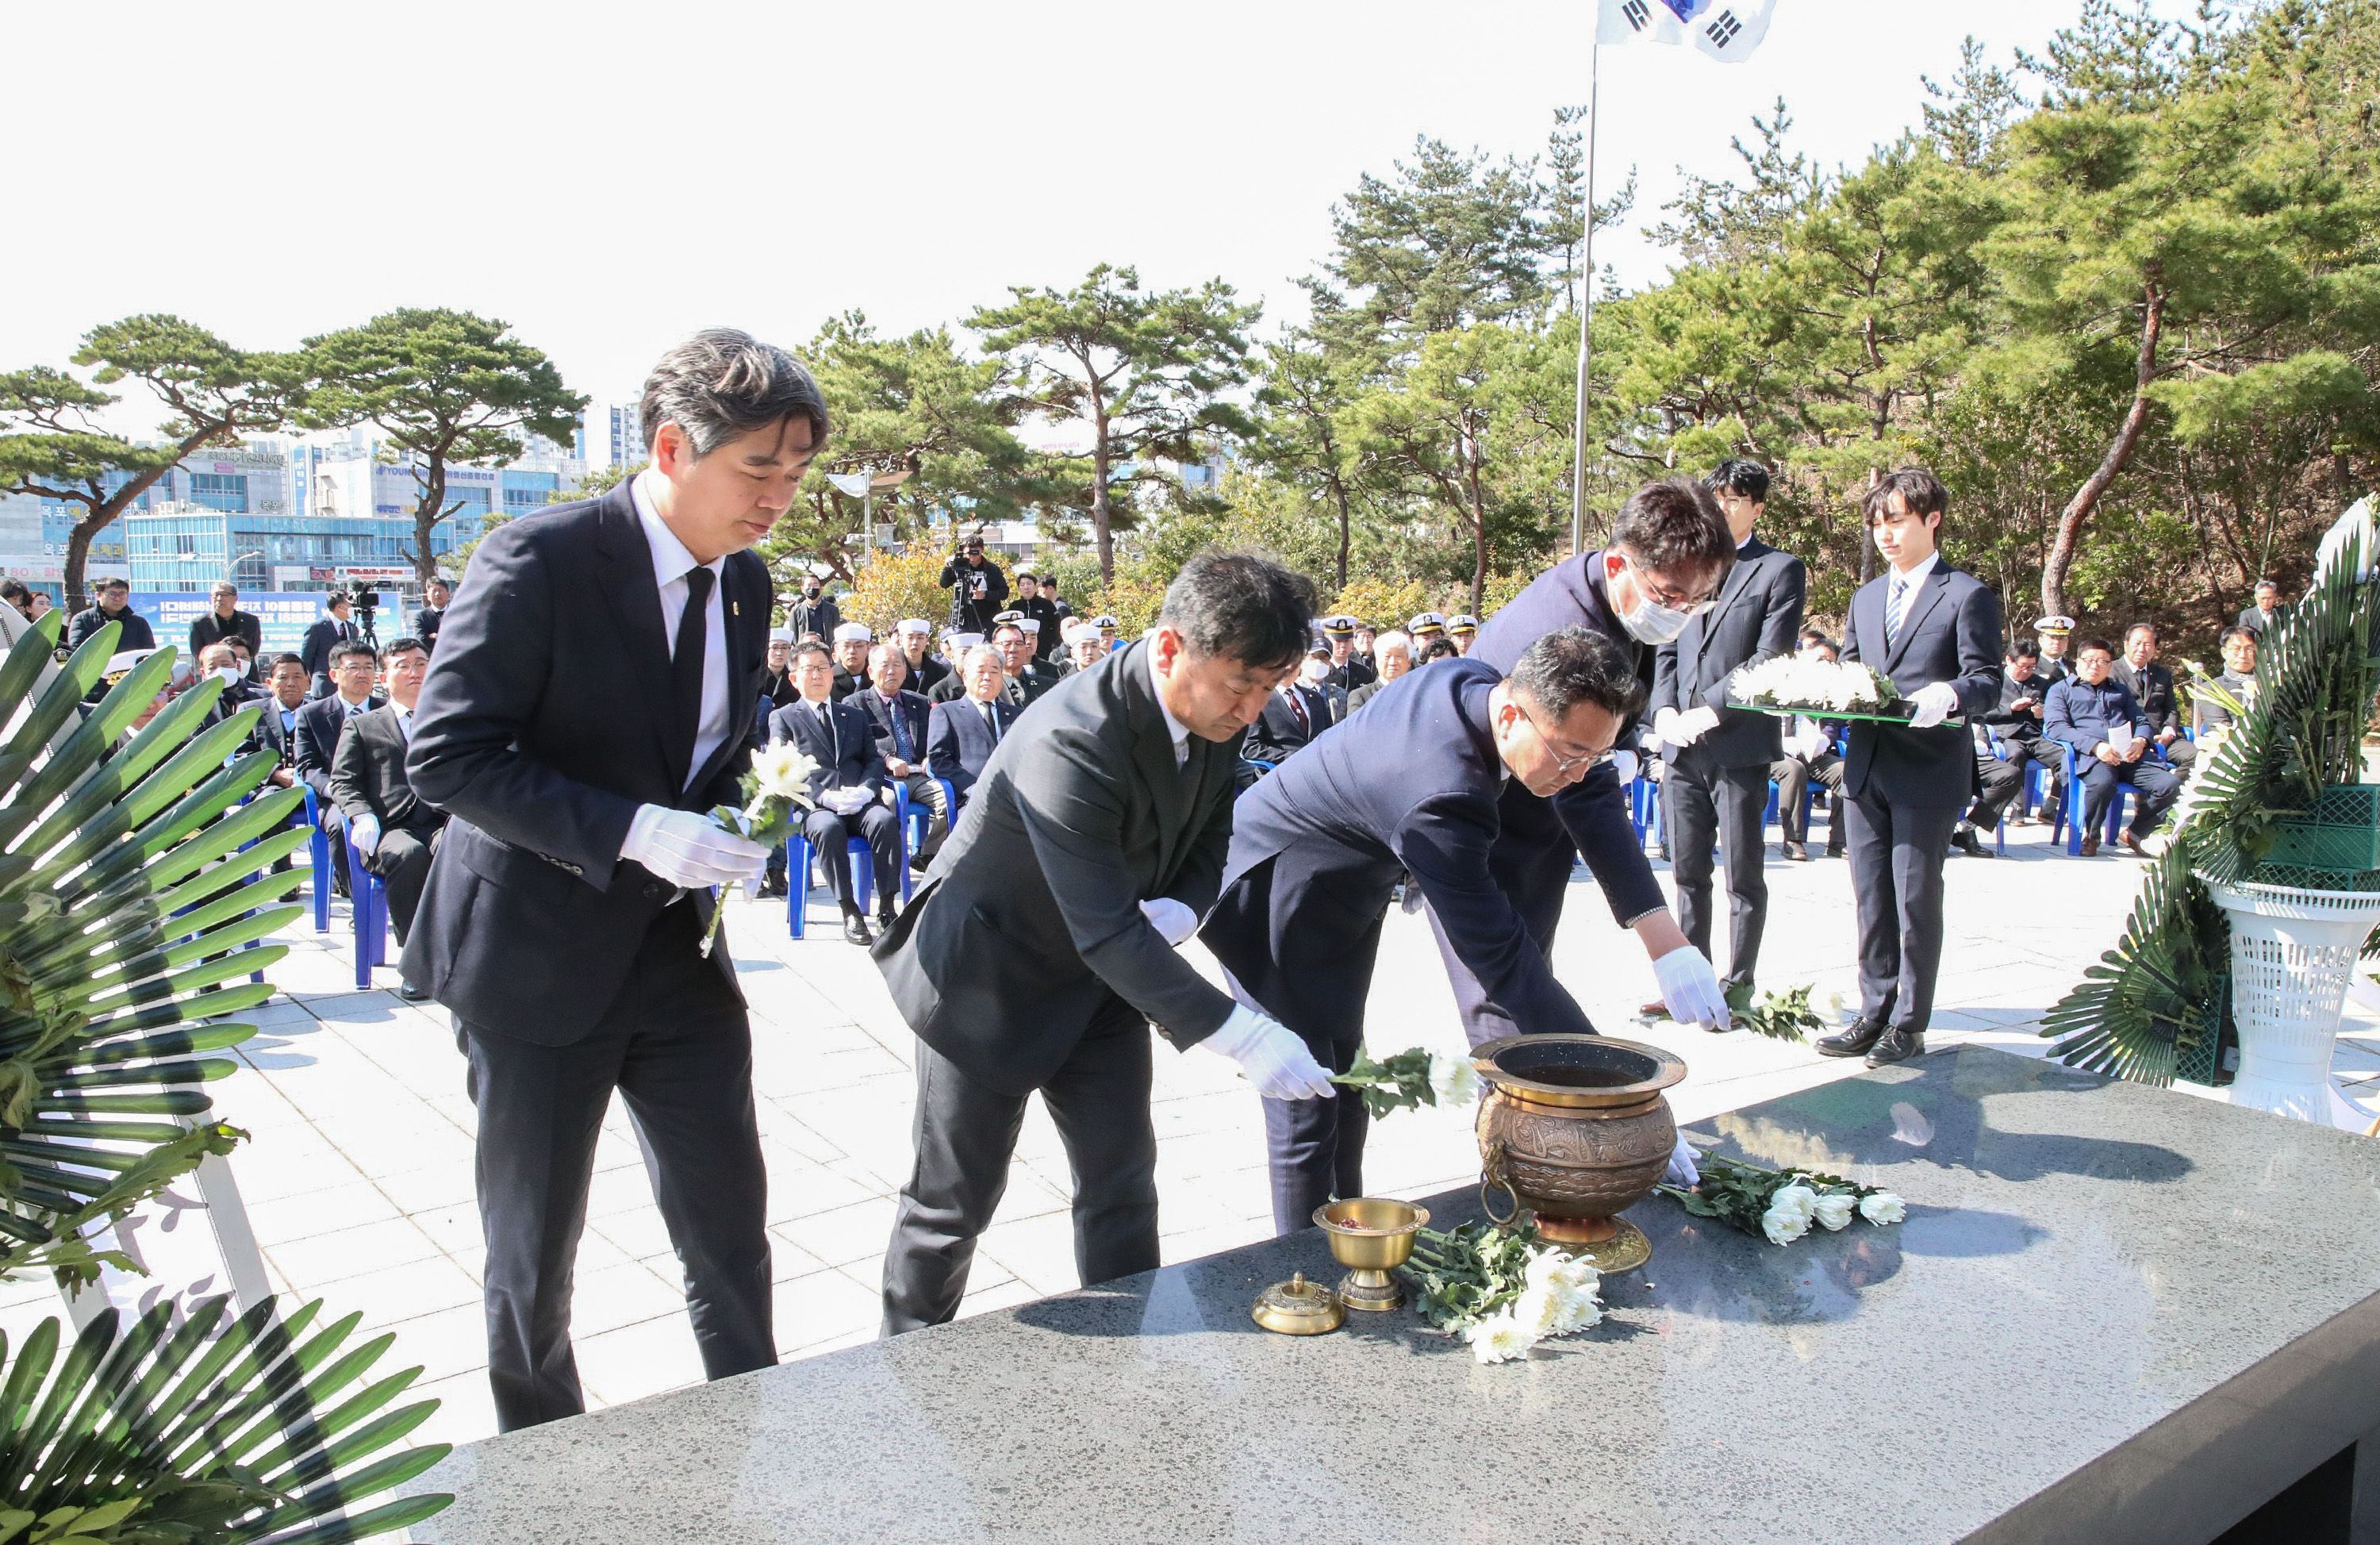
(1500, 1289)
(775, 790)
(1412, 1076)
(1812, 686)
(1781, 1205)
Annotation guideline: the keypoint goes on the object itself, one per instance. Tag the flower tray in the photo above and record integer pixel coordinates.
(1886, 713)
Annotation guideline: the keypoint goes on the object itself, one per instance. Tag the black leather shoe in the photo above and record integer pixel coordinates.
(1852, 1042)
(1969, 841)
(1798, 851)
(1897, 1046)
(411, 993)
(884, 916)
(855, 929)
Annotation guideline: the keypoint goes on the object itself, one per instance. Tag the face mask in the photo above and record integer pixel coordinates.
(1314, 673)
(1652, 623)
(226, 674)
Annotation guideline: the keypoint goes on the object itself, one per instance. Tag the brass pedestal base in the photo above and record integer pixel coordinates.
(1370, 1290)
(1611, 1244)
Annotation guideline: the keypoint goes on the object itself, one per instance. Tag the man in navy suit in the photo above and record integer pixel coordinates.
(900, 718)
(1715, 787)
(1413, 787)
(847, 787)
(1669, 554)
(961, 736)
(590, 699)
(1935, 631)
(1291, 718)
(324, 636)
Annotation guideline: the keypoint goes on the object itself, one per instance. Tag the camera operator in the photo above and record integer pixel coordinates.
(979, 589)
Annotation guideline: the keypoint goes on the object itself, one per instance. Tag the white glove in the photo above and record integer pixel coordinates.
(1683, 1170)
(1624, 764)
(1175, 921)
(1933, 704)
(1665, 727)
(1692, 990)
(1811, 742)
(364, 832)
(1276, 1061)
(688, 851)
(1695, 724)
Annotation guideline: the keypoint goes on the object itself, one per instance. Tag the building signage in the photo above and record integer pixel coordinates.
(284, 618)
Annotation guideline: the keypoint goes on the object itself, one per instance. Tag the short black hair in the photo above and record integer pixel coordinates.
(2248, 633)
(1674, 526)
(275, 661)
(1574, 666)
(14, 589)
(2087, 645)
(1814, 636)
(1737, 476)
(1440, 647)
(1920, 491)
(1241, 606)
(112, 583)
(723, 382)
(2025, 650)
(809, 647)
(350, 649)
(396, 647)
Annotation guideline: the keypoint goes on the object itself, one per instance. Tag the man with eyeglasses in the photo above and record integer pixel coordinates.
(1413, 787)
(1669, 552)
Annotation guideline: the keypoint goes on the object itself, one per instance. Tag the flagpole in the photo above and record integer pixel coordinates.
(1586, 305)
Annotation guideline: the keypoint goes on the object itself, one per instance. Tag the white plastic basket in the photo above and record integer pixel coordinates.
(2293, 954)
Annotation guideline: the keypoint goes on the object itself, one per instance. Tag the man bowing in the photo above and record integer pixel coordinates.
(591, 696)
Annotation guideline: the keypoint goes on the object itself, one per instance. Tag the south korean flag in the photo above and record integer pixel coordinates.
(1726, 29)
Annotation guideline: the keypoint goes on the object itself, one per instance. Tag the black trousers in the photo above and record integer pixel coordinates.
(402, 861)
(1996, 785)
(677, 1047)
(1706, 805)
(1534, 874)
(1895, 858)
(966, 1135)
(2003, 781)
(829, 832)
(1793, 775)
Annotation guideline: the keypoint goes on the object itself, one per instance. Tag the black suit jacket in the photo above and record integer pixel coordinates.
(1277, 734)
(843, 747)
(368, 775)
(958, 742)
(322, 637)
(1594, 810)
(544, 724)
(822, 617)
(320, 725)
(133, 629)
(1025, 689)
(914, 711)
(1757, 618)
(1411, 787)
(2020, 723)
(207, 629)
(1030, 922)
(1951, 632)
(269, 735)
(2152, 687)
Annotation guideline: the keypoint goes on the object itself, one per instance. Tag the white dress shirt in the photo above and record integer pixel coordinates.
(671, 564)
(1908, 580)
(1174, 727)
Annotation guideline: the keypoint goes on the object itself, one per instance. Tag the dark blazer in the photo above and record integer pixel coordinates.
(1356, 673)
(426, 624)
(927, 674)
(238, 695)
(2152, 687)
(914, 711)
(1030, 922)
(1951, 632)
(1025, 689)
(843, 747)
(2256, 622)
(1594, 810)
(322, 637)
(958, 742)
(269, 735)
(822, 617)
(320, 723)
(2081, 714)
(846, 684)
(778, 687)
(135, 632)
(1758, 617)
(950, 689)
(368, 775)
(1412, 787)
(2021, 724)
(1276, 734)
(544, 724)
(207, 629)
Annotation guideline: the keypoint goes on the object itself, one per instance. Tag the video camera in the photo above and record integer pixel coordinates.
(366, 603)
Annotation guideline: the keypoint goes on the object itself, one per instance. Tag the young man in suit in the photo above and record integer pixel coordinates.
(330, 630)
(1670, 554)
(1936, 632)
(354, 670)
(961, 736)
(1041, 946)
(593, 700)
(1715, 789)
(1410, 788)
(901, 719)
(435, 595)
(847, 788)
(394, 830)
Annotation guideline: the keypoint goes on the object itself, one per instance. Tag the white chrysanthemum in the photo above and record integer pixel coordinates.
(1834, 1209)
(1883, 1207)
(1499, 1338)
(1537, 1308)
(1574, 1309)
(1790, 1211)
(1452, 1079)
(783, 771)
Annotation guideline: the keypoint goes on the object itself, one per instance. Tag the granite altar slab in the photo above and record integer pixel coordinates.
(2114, 1314)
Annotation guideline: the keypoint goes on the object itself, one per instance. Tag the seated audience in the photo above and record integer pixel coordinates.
(396, 832)
(847, 788)
(901, 719)
(2101, 719)
(2152, 687)
(1392, 656)
(962, 735)
(2238, 682)
(351, 669)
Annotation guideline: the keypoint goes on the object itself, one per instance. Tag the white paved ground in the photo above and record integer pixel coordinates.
(359, 1177)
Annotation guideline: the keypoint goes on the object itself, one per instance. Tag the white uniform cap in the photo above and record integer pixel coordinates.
(966, 640)
(916, 624)
(780, 635)
(1030, 625)
(853, 633)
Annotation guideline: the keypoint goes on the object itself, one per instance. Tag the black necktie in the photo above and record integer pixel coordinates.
(685, 669)
(991, 717)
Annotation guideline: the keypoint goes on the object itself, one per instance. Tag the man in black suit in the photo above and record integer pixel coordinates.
(2150, 685)
(1669, 554)
(591, 699)
(1714, 787)
(2017, 720)
(435, 595)
(1410, 789)
(1936, 632)
(326, 634)
(1042, 945)
(1349, 670)
(900, 717)
(776, 688)
(1293, 716)
(221, 659)
(354, 671)
(847, 788)
(226, 620)
(962, 735)
(2264, 611)
(979, 589)
(814, 612)
(1027, 677)
(276, 726)
(395, 831)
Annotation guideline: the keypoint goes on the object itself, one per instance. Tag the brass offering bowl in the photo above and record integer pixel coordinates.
(1575, 1129)
(1373, 1236)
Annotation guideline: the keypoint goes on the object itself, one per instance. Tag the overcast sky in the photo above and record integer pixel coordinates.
(607, 179)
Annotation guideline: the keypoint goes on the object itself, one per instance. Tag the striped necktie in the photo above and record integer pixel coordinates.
(1893, 605)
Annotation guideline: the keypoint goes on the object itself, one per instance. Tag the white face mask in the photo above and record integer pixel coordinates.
(227, 674)
(1314, 673)
(1650, 622)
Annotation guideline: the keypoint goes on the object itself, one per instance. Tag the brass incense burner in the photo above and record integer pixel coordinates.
(1373, 1236)
(1575, 1129)
(1298, 1308)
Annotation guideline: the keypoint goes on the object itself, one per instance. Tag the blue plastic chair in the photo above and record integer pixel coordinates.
(319, 850)
(859, 854)
(2070, 814)
(371, 914)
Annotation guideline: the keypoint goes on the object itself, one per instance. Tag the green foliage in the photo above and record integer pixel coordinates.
(1470, 1273)
(1785, 1015)
(1398, 1083)
(447, 388)
(1739, 1195)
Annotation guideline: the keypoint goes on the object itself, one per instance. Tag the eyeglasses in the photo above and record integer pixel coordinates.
(1676, 600)
(1561, 764)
